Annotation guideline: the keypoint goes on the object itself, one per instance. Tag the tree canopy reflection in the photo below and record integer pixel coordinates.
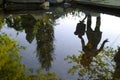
(23, 22)
(11, 67)
(116, 75)
(42, 29)
(45, 37)
(1, 22)
(28, 22)
(100, 66)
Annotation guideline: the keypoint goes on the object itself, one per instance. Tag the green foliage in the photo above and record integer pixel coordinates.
(1, 22)
(10, 63)
(45, 37)
(46, 76)
(43, 76)
(101, 67)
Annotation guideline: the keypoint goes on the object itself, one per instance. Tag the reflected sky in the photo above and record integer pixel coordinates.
(65, 42)
(111, 29)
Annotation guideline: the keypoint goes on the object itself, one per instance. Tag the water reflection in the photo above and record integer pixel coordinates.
(42, 29)
(92, 62)
(28, 22)
(45, 37)
(116, 74)
(10, 65)
(94, 38)
(23, 22)
(39, 30)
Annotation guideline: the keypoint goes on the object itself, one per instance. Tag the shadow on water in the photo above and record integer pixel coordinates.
(91, 63)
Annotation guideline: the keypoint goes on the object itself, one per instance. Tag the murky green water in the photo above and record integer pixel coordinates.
(49, 38)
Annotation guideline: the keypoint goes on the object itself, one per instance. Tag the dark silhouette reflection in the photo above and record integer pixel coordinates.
(28, 22)
(42, 29)
(45, 37)
(80, 28)
(94, 37)
(116, 74)
(23, 22)
(14, 22)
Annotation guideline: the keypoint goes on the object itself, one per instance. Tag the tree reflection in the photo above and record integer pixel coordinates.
(14, 22)
(116, 74)
(92, 63)
(10, 63)
(23, 22)
(42, 29)
(1, 22)
(28, 22)
(10, 60)
(45, 37)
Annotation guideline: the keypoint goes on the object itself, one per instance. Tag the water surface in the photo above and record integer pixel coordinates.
(47, 45)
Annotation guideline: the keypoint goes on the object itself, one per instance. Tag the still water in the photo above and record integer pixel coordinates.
(49, 38)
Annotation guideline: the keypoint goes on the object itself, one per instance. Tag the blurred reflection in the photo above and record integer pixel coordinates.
(1, 22)
(116, 74)
(42, 29)
(93, 36)
(23, 22)
(10, 60)
(14, 22)
(80, 28)
(45, 37)
(28, 22)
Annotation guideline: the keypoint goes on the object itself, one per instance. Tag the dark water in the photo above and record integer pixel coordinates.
(106, 2)
(48, 44)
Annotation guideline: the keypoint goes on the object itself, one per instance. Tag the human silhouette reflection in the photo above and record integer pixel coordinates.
(80, 28)
(94, 36)
(116, 75)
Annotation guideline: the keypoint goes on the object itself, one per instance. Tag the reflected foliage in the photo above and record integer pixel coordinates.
(14, 22)
(44, 37)
(10, 65)
(42, 29)
(10, 61)
(23, 22)
(1, 22)
(116, 74)
(28, 22)
(46, 76)
(101, 67)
